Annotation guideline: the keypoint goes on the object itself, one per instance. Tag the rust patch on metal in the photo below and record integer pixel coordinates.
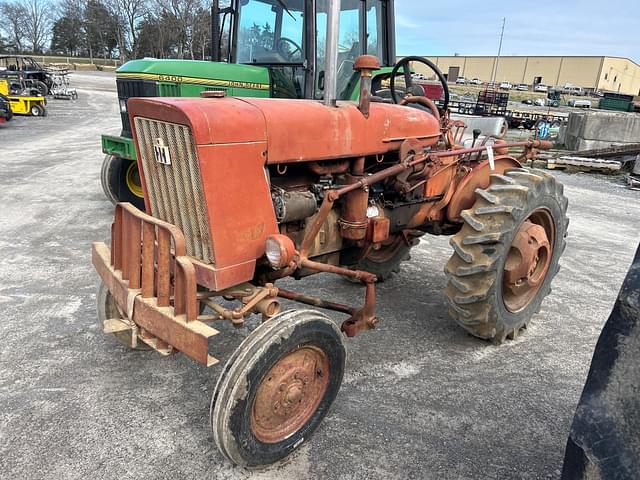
(528, 261)
(290, 394)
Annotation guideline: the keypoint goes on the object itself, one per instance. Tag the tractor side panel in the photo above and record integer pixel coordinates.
(237, 195)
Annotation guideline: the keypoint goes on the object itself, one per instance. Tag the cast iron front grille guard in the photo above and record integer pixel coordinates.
(143, 290)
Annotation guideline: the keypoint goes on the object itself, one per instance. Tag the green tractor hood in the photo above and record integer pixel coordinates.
(240, 78)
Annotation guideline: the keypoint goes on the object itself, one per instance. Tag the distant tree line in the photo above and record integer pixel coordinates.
(122, 29)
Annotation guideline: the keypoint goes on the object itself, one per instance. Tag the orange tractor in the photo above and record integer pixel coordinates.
(243, 192)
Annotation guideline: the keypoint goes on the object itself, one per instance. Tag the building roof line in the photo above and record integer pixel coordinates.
(529, 56)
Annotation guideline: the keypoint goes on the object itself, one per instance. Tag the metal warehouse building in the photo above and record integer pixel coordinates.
(613, 74)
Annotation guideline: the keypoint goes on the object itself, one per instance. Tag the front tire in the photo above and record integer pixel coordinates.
(121, 181)
(107, 309)
(277, 387)
(506, 254)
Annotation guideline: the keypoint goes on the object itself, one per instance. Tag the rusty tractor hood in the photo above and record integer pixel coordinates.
(295, 130)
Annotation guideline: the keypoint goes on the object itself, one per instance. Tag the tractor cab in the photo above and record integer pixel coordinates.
(289, 37)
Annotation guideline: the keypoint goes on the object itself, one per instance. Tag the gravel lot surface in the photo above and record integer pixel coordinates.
(421, 399)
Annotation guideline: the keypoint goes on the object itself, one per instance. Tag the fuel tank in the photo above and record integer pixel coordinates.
(202, 160)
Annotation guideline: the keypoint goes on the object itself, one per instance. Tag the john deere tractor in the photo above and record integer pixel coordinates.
(260, 48)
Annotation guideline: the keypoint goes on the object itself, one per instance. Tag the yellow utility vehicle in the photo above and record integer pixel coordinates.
(23, 104)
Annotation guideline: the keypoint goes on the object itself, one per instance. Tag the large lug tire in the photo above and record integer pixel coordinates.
(121, 181)
(107, 309)
(385, 262)
(41, 87)
(506, 254)
(277, 387)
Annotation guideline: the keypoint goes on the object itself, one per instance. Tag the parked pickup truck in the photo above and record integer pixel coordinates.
(574, 90)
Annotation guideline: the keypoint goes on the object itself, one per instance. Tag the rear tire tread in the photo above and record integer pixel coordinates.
(472, 271)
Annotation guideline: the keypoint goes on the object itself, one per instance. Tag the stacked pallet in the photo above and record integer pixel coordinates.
(604, 160)
(584, 164)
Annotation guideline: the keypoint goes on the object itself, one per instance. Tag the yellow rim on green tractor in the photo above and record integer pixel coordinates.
(133, 180)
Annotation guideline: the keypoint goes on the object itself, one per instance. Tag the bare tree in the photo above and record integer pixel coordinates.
(202, 32)
(128, 13)
(184, 12)
(38, 21)
(13, 25)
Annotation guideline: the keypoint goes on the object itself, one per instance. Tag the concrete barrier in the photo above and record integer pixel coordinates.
(590, 130)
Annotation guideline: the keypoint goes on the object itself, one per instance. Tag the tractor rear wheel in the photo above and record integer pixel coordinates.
(277, 387)
(506, 254)
(121, 181)
(41, 87)
(385, 261)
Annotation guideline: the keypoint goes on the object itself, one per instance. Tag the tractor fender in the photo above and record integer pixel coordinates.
(479, 177)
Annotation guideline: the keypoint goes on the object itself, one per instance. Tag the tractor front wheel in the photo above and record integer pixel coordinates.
(506, 254)
(108, 310)
(277, 387)
(121, 181)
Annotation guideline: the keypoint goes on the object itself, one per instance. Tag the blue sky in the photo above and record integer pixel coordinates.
(565, 27)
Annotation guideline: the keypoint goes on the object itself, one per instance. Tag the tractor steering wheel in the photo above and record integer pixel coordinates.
(408, 80)
(285, 53)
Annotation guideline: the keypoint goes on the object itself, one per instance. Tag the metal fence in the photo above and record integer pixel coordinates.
(62, 59)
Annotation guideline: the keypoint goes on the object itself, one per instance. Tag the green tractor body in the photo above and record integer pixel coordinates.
(179, 78)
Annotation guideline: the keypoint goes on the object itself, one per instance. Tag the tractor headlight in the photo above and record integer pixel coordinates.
(280, 250)
(123, 106)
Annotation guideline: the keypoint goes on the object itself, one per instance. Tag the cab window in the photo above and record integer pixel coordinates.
(353, 15)
(270, 32)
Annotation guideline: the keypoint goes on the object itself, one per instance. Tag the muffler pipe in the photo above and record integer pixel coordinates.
(365, 64)
(331, 58)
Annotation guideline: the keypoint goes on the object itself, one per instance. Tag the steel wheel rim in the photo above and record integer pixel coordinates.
(289, 394)
(528, 260)
(133, 180)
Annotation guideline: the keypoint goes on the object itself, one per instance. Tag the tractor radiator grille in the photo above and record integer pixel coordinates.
(175, 190)
(128, 88)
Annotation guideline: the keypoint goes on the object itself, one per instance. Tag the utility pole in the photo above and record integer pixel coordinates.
(495, 71)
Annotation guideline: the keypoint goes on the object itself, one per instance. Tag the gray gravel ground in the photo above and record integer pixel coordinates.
(421, 399)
